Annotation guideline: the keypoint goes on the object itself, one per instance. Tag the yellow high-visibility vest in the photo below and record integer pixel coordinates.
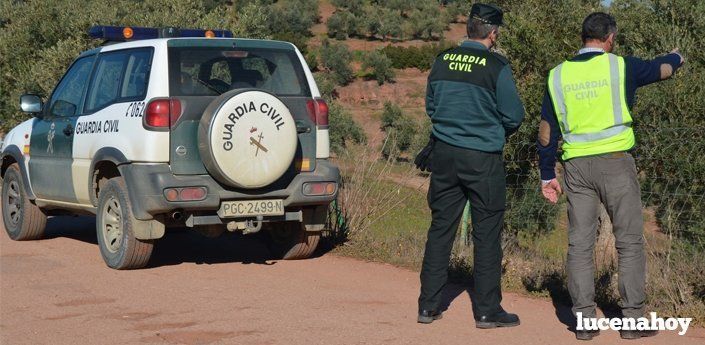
(589, 99)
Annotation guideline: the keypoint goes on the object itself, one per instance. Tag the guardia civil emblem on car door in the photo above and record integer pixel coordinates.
(50, 139)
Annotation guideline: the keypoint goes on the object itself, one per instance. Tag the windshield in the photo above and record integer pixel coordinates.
(208, 71)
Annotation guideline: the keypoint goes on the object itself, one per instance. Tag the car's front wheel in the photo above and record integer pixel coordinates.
(114, 225)
(23, 219)
(291, 241)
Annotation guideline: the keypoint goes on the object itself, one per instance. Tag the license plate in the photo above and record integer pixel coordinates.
(250, 208)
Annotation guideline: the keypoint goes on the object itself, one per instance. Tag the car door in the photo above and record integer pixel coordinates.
(111, 119)
(51, 144)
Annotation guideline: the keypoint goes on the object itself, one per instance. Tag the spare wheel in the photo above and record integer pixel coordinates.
(247, 138)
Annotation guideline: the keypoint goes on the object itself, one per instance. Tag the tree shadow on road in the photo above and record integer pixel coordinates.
(460, 281)
(554, 283)
(178, 245)
(451, 292)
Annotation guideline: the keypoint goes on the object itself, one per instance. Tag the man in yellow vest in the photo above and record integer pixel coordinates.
(588, 102)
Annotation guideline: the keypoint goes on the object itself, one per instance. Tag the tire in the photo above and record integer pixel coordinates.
(114, 226)
(290, 241)
(23, 220)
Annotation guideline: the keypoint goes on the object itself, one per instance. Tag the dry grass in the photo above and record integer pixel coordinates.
(370, 190)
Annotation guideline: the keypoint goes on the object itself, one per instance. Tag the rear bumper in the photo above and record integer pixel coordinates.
(146, 184)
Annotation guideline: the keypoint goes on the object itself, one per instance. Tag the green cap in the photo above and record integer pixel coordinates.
(488, 14)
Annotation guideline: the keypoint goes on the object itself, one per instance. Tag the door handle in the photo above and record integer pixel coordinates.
(68, 130)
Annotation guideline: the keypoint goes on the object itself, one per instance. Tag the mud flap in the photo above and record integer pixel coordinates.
(315, 218)
(149, 229)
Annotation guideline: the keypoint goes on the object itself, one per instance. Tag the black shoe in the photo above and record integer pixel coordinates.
(637, 334)
(586, 335)
(501, 319)
(428, 316)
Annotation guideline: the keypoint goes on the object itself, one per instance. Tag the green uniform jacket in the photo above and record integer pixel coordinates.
(472, 98)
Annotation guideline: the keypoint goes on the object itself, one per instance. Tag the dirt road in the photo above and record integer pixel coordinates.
(223, 291)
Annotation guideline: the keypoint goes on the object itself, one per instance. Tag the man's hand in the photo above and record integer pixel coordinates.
(678, 52)
(551, 190)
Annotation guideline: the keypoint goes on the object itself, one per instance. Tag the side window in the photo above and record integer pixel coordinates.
(68, 94)
(134, 84)
(105, 86)
(119, 77)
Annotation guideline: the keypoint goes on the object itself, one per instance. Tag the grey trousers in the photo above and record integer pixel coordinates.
(612, 180)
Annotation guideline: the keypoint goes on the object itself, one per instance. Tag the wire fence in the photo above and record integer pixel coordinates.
(671, 170)
(670, 165)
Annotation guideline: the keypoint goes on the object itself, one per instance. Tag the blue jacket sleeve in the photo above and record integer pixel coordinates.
(645, 72)
(547, 153)
(509, 104)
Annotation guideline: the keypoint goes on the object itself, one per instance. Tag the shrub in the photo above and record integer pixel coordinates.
(343, 129)
(398, 19)
(355, 7)
(421, 137)
(335, 59)
(400, 130)
(326, 86)
(295, 16)
(342, 24)
(390, 25)
(380, 66)
(298, 39)
(457, 9)
(312, 60)
(427, 22)
(415, 57)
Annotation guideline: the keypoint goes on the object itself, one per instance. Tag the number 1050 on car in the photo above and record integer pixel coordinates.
(250, 208)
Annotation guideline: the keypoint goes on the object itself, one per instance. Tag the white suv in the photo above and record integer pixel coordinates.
(172, 128)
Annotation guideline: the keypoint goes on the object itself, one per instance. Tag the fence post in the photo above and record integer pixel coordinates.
(464, 224)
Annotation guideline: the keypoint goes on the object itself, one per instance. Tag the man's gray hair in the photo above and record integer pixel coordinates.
(479, 30)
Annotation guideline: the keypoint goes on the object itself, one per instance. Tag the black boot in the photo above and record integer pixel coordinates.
(428, 316)
(501, 319)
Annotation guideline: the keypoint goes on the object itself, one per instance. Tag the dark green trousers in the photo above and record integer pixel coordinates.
(457, 175)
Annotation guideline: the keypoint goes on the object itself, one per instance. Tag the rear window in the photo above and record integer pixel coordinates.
(208, 71)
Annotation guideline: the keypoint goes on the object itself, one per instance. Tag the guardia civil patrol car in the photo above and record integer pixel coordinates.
(163, 128)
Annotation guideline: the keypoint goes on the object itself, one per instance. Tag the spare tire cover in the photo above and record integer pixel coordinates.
(247, 138)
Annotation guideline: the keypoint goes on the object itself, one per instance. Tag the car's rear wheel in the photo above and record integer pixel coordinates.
(291, 241)
(114, 225)
(23, 219)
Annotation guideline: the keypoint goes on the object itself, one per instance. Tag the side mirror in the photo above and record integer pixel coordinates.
(30, 103)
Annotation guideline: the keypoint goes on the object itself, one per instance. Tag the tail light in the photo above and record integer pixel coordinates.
(319, 188)
(318, 111)
(162, 113)
(186, 194)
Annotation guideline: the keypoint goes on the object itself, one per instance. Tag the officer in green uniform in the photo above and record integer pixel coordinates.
(473, 104)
